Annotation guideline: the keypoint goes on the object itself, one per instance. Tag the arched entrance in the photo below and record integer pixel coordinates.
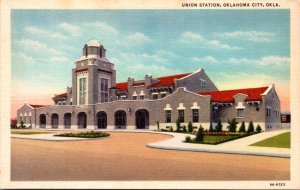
(142, 119)
(101, 120)
(54, 121)
(67, 120)
(120, 119)
(81, 120)
(42, 121)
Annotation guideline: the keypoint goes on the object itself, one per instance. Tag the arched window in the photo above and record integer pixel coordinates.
(67, 120)
(81, 120)
(42, 121)
(120, 119)
(54, 121)
(101, 120)
(142, 119)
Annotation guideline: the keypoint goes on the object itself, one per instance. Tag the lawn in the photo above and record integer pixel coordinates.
(278, 141)
(27, 132)
(89, 134)
(217, 139)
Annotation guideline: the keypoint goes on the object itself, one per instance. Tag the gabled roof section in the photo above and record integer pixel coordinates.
(226, 96)
(37, 106)
(167, 80)
(63, 95)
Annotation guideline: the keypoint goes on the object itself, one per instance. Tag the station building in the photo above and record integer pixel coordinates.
(97, 101)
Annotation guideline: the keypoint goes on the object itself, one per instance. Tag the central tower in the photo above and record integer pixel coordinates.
(92, 76)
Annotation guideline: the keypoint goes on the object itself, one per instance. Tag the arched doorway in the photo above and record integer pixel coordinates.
(54, 121)
(120, 119)
(101, 120)
(142, 119)
(67, 120)
(42, 121)
(81, 120)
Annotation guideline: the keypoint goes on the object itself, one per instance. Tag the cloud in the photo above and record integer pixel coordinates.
(71, 29)
(22, 58)
(142, 58)
(103, 27)
(44, 33)
(271, 60)
(59, 59)
(255, 36)
(190, 37)
(138, 37)
(206, 59)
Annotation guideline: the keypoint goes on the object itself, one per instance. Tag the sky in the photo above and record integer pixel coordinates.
(236, 48)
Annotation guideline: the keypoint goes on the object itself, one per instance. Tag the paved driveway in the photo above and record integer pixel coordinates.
(124, 156)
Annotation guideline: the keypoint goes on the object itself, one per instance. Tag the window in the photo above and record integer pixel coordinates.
(82, 90)
(142, 97)
(268, 112)
(134, 97)
(195, 115)
(25, 120)
(104, 90)
(154, 96)
(202, 82)
(168, 116)
(283, 118)
(240, 112)
(181, 115)
(163, 95)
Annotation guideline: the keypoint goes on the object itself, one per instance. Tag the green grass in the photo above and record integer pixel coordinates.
(27, 132)
(89, 134)
(278, 141)
(215, 139)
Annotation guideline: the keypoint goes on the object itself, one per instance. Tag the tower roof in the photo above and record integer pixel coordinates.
(93, 43)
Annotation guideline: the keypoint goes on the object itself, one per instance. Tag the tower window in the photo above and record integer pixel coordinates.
(104, 90)
(82, 90)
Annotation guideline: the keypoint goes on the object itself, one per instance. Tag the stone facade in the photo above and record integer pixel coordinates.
(96, 101)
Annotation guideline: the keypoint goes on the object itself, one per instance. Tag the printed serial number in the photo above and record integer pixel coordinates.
(277, 184)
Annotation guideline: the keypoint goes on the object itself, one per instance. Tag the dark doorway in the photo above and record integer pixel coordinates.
(42, 121)
(120, 119)
(67, 120)
(142, 119)
(101, 120)
(54, 121)
(81, 120)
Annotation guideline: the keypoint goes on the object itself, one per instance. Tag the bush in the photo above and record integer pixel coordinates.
(258, 129)
(157, 124)
(232, 124)
(219, 126)
(178, 125)
(22, 126)
(250, 128)
(190, 127)
(199, 135)
(184, 129)
(91, 134)
(188, 139)
(171, 128)
(211, 129)
(243, 127)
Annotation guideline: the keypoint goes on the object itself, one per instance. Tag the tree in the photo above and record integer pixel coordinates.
(258, 129)
(190, 127)
(250, 128)
(219, 126)
(22, 126)
(232, 124)
(184, 129)
(178, 125)
(199, 135)
(171, 129)
(211, 129)
(243, 127)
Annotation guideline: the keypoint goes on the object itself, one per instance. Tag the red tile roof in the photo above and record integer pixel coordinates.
(167, 80)
(37, 106)
(254, 94)
(138, 84)
(63, 95)
(123, 86)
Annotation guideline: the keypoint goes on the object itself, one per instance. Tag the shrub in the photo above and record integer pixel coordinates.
(219, 126)
(211, 129)
(232, 125)
(184, 129)
(258, 129)
(250, 128)
(178, 125)
(157, 124)
(199, 135)
(171, 128)
(243, 127)
(188, 139)
(190, 127)
(22, 126)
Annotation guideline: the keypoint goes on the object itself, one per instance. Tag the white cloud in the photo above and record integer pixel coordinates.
(59, 59)
(22, 58)
(255, 36)
(215, 44)
(206, 59)
(138, 37)
(270, 60)
(44, 33)
(188, 37)
(72, 29)
(103, 27)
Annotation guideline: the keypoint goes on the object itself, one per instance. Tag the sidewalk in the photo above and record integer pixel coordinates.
(239, 146)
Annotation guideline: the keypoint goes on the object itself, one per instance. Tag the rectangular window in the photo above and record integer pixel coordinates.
(202, 82)
(168, 116)
(82, 90)
(30, 120)
(283, 118)
(141, 97)
(163, 95)
(268, 112)
(181, 115)
(240, 112)
(154, 96)
(134, 97)
(104, 90)
(195, 115)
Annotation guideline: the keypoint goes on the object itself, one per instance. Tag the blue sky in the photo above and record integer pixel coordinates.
(237, 48)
